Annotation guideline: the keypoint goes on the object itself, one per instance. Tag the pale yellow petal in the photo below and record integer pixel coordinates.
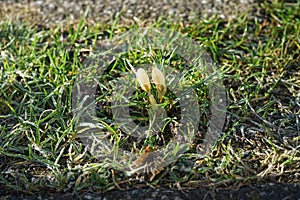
(143, 79)
(159, 80)
(158, 77)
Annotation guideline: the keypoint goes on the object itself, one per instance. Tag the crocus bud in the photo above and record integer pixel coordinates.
(159, 80)
(152, 99)
(143, 79)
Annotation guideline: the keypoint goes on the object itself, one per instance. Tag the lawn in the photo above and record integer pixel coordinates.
(257, 56)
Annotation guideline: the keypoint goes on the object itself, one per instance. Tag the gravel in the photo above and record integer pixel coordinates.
(52, 12)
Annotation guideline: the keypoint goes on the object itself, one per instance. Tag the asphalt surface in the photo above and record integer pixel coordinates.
(264, 192)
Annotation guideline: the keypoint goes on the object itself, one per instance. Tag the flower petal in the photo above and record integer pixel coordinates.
(143, 79)
(160, 82)
(158, 77)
